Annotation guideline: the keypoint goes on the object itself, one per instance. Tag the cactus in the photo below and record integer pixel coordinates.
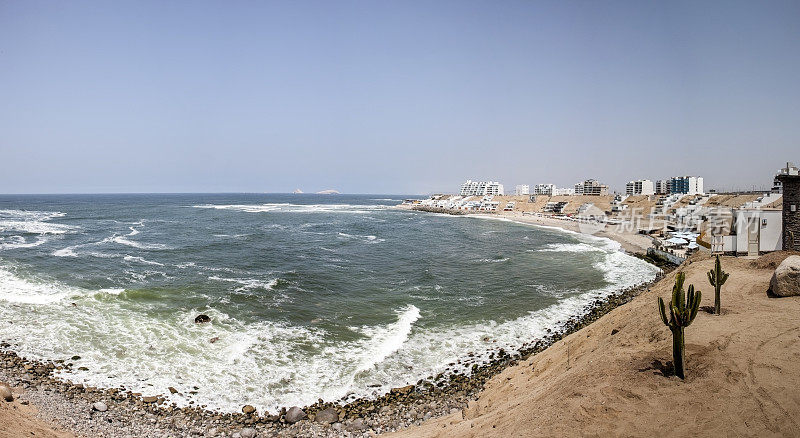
(682, 311)
(717, 278)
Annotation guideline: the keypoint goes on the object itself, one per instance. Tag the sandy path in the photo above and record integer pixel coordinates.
(743, 372)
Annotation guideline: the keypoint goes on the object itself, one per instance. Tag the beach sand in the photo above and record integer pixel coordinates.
(18, 420)
(743, 371)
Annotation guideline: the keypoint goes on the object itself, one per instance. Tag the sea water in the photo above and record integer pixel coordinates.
(310, 296)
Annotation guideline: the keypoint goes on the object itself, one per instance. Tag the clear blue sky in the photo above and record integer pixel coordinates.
(393, 96)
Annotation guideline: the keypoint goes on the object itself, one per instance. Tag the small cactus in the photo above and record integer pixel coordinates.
(717, 278)
(682, 311)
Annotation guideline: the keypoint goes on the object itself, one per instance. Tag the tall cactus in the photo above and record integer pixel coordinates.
(682, 311)
(717, 278)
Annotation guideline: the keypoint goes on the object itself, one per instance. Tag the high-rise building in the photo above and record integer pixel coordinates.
(481, 188)
(522, 189)
(687, 185)
(640, 187)
(662, 187)
(591, 187)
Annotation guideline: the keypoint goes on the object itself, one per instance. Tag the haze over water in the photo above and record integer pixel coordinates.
(310, 296)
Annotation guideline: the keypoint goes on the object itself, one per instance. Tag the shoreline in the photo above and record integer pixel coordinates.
(61, 401)
(633, 243)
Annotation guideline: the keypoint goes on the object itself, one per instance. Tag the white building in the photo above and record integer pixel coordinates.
(686, 185)
(591, 187)
(662, 187)
(544, 189)
(481, 188)
(640, 187)
(522, 189)
(751, 231)
(563, 192)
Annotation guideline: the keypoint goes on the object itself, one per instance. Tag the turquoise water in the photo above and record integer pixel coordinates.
(310, 296)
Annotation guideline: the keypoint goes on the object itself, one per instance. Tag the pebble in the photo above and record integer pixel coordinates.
(100, 407)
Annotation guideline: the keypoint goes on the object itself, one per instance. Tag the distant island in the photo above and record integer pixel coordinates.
(328, 192)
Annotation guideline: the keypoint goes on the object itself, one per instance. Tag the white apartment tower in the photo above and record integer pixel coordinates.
(662, 187)
(481, 188)
(591, 187)
(522, 189)
(640, 187)
(544, 189)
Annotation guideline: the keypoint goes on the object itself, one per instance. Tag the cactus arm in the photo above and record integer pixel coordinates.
(695, 307)
(662, 311)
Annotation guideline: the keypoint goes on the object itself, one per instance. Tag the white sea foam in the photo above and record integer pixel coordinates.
(15, 289)
(122, 240)
(498, 260)
(130, 258)
(15, 242)
(384, 341)
(248, 283)
(367, 238)
(571, 247)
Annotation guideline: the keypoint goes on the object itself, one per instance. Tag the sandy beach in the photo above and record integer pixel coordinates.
(631, 242)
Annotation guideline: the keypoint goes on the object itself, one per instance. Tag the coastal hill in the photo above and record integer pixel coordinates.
(743, 368)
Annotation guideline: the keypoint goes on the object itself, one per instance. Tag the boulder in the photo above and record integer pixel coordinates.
(295, 414)
(172, 390)
(248, 409)
(149, 399)
(403, 391)
(785, 280)
(100, 406)
(248, 432)
(328, 416)
(5, 393)
(200, 319)
(358, 425)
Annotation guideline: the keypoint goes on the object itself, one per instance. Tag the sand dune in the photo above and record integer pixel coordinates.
(742, 376)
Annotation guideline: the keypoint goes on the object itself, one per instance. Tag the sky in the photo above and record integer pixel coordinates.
(401, 97)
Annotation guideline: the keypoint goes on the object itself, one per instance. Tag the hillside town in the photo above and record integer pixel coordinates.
(676, 214)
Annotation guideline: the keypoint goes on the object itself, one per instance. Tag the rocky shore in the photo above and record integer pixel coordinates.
(114, 412)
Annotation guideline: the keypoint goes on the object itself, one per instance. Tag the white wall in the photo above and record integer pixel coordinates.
(769, 232)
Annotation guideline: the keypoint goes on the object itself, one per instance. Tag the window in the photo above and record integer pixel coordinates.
(794, 207)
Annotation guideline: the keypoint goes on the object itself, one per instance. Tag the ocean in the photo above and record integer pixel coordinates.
(310, 296)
